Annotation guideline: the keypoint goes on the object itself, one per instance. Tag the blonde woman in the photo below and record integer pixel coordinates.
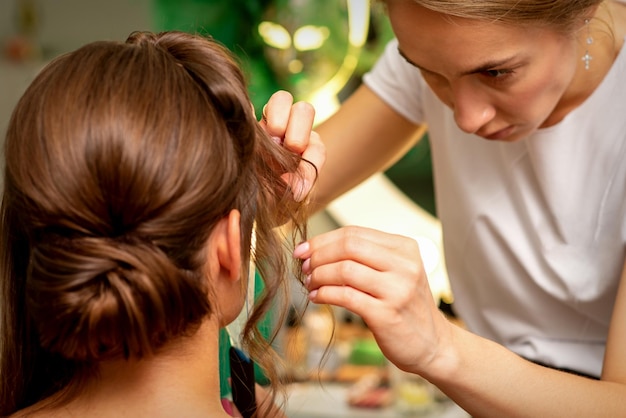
(524, 101)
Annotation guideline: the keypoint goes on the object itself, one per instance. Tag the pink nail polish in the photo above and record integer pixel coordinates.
(306, 266)
(301, 249)
(301, 190)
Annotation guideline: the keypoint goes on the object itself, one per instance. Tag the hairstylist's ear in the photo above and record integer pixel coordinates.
(229, 245)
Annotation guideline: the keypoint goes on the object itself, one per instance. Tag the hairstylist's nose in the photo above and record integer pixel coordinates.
(471, 111)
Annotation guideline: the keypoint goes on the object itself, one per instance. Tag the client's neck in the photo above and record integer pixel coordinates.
(181, 380)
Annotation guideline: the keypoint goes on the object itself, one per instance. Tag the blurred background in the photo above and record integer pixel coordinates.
(318, 50)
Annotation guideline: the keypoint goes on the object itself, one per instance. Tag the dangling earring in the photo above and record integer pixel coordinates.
(587, 57)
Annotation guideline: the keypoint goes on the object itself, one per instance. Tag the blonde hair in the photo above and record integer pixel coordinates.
(561, 15)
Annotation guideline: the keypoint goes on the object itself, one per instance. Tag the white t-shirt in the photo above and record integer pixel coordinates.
(535, 230)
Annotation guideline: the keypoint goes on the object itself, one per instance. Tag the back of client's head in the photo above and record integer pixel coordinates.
(120, 159)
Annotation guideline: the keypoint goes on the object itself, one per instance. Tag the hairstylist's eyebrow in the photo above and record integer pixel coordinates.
(489, 65)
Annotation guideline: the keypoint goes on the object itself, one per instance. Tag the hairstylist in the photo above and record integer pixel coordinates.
(525, 103)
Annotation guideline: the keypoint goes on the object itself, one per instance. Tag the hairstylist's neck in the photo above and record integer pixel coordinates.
(181, 380)
(607, 42)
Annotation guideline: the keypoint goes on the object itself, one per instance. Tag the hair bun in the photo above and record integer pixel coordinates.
(95, 298)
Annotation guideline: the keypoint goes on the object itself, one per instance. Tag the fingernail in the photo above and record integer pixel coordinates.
(276, 139)
(307, 280)
(313, 294)
(228, 407)
(306, 266)
(301, 249)
(301, 190)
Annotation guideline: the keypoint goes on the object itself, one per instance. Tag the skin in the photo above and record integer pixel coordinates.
(291, 125)
(380, 277)
(499, 84)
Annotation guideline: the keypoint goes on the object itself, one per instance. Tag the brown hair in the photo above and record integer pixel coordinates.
(120, 159)
(561, 15)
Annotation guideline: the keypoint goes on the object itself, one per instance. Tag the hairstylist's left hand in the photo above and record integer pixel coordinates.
(380, 277)
(291, 124)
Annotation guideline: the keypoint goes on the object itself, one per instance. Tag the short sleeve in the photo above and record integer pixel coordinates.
(397, 83)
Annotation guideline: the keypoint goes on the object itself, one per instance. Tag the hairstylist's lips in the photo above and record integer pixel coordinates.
(501, 134)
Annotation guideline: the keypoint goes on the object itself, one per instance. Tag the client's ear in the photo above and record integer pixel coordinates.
(224, 267)
(228, 245)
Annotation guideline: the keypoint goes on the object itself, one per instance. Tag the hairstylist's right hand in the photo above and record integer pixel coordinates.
(291, 124)
(380, 277)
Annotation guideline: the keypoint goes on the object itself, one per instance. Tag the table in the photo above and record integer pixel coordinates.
(325, 399)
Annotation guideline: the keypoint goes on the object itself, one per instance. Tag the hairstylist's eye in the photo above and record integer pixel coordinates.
(497, 77)
(497, 73)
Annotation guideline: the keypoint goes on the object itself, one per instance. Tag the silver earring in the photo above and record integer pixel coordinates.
(587, 57)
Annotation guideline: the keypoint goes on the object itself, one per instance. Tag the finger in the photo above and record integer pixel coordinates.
(353, 274)
(347, 233)
(300, 186)
(276, 113)
(388, 285)
(315, 153)
(313, 159)
(378, 250)
(299, 126)
(347, 297)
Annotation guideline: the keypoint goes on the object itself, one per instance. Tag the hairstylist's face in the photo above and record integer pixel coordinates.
(502, 82)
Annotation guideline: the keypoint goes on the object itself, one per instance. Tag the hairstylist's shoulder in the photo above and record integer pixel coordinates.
(398, 83)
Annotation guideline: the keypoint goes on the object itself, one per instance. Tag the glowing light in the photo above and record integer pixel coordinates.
(313, 37)
(309, 37)
(275, 35)
(358, 20)
(295, 66)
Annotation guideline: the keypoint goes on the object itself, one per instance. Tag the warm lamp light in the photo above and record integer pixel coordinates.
(274, 35)
(304, 53)
(309, 37)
